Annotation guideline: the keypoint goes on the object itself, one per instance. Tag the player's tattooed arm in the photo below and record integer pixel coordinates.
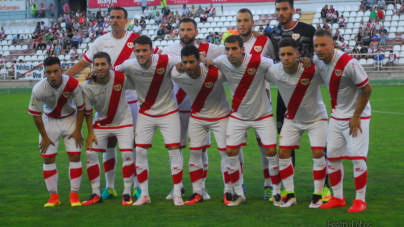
(45, 141)
(355, 123)
(90, 137)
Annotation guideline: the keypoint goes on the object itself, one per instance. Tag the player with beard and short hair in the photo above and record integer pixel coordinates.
(303, 34)
(188, 32)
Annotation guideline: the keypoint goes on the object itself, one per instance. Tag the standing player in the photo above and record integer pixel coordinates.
(210, 110)
(119, 45)
(303, 34)
(158, 108)
(60, 96)
(106, 93)
(300, 90)
(245, 75)
(348, 132)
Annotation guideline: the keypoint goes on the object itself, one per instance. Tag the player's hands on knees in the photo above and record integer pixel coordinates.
(305, 61)
(90, 75)
(180, 67)
(44, 144)
(354, 125)
(78, 138)
(89, 142)
(208, 62)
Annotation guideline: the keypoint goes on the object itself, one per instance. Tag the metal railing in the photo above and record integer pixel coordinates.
(376, 63)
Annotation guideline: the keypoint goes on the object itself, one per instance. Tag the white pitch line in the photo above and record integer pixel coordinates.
(383, 99)
(386, 112)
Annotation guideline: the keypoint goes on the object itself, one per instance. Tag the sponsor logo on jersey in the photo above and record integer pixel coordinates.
(161, 71)
(118, 68)
(209, 84)
(135, 134)
(33, 101)
(203, 53)
(85, 100)
(305, 81)
(257, 48)
(338, 72)
(296, 36)
(67, 94)
(251, 71)
(281, 137)
(118, 87)
(130, 45)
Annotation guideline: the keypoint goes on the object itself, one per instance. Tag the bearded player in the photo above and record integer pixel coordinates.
(348, 132)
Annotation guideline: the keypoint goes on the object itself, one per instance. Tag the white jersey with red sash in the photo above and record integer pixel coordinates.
(3, 33)
(109, 100)
(207, 95)
(56, 103)
(153, 84)
(261, 45)
(300, 92)
(344, 77)
(247, 85)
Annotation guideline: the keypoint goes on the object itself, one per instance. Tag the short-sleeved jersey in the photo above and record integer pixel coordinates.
(208, 50)
(153, 84)
(206, 93)
(108, 100)
(247, 85)
(261, 45)
(300, 92)
(56, 102)
(344, 77)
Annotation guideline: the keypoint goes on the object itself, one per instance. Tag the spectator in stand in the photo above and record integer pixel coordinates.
(2, 61)
(366, 38)
(212, 11)
(378, 60)
(168, 28)
(193, 12)
(267, 29)
(209, 38)
(342, 22)
(318, 26)
(16, 39)
(337, 35)
(142, 23)
(61, 19)
(154, 11)
(75, 39)
(50, 48)
(401, 8)
(42, 11)
(28, 41)
(382, 4)
(362, 6)
(373, 14)
(370, 24)
(167, 12)
(51, 10)
(76, 25)
(73, 52)
(364, 52)
(382, 29)
(378, 26)
(397, 2)
(325, 25)
(185, 10)
(68, 20)
(66, 7)
(89, 14)
(204, 17)
(362, 25)
(3, 34)
(65, 46)
(144, 5)
(324, 12)
(58, 49)
(380, 14)
(137, 28)
(157, 18)
(160, 33)
(148, 14)
(177, 16)
(199, 10)
(355, 53)
(42, 44)
(367, 5)
(374, 38)
(163, 5)
(217, 39)
(372, 48)
(392, 59)
(43, 26)
(34, 11)
(395, 11)
(383, 39)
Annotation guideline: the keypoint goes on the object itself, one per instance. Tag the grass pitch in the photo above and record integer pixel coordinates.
(23, 192)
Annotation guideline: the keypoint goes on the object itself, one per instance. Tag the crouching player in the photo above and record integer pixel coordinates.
(106, 92)
(60, 96)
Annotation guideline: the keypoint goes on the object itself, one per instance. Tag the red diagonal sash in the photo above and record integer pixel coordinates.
(246, 81)
(71, 85)
(207, 87)
(115, 98)
(204, 48)
(126, 50)
(259, 44)
(336, 78)
(299, 92)
(155, 84)
(180, 96)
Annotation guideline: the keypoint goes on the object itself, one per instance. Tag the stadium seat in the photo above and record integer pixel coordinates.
(210, 19)
(296, 16)
(388, 18)
(272, 11)
(389, 13)
(11, 47)
(386, 24)
(348, 31)
(340, 9)
(216, 19)
(360, 14)
(265, 12)
(63, 25)
(397, 48)
(79, 51)
(370, 61)
(366, 19)
(394, 24)
(219, 13)
(351, 20)
(317, 15)
(4, 42)
(318, 10)
(18, 47)
(220, 24)
(151, 32)
(41, 58)
(27, 58)
(315, 21)
(393, 30)
(390, 7)
(334, 26)
(352, 43)
(144, 32)
(204, 30)
(233, 24)
(362, 61)
(394, 18)
(358, 19)
(273, 23)
(347, 37)
(256, 17)
(400, 29)
(6, 53)
(350, 25)
(352, 14)
(223, 19)
(233, 13)
(223, 30)
(5, 47)
(34, 58)
(392, 36)
(197, 20)
(258, 12)
(348, 9)
(24, 47)
(61, 57)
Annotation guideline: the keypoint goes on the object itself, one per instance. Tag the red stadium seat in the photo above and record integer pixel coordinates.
(298, 11)
(389, 47)
(381, 48)
(390, 41)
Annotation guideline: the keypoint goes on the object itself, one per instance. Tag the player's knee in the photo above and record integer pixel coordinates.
(141, 153)
(49, 160)
(285, 153)
(112, 142)
(127, 156)
(318, 153)
(91, 155)
(231, 152)
(74, 158)
(270, 151)
(173, 148)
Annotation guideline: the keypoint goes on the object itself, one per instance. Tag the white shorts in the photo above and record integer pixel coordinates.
(124, 134)
(341, 145)
(134, 109)
(60, 127)
(184, 121)
(237, 129)
(199, 136)
(169, 126)
(292, 132)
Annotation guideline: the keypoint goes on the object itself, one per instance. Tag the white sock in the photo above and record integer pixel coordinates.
(51, 177)
(234, 168)
(265, 164)
(93, 171)
(361, 177)
(110, 161)
(205, 162)
(135, 180)
(75, 173)
(177, 166)
(273, 166)
(241, 159)
(196, 170)
(228, 187)
(319, 173)
(128, 170)
(142, 169)
(286, 171)
(336, 175)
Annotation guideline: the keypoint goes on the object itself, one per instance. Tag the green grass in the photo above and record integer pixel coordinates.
(23, 191)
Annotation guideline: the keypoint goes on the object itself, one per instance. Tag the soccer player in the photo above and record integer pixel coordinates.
(303, 34)
(210, 110)
(158, 108)
(306, 112)
(106, 92)
(188, 31)
(245, 75)
(348, 131)
(60, 96)
(119, 45)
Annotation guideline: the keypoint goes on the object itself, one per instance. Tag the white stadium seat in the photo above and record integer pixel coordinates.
(348, 9)
(352, 14)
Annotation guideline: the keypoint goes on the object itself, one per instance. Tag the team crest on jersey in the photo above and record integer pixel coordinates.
(209, 84)
(135, 135)
(280, 137)
(305, 81)
(251, 71)
(161, 71)
(67, 94)
(296, 36)
(338, 72)
(85, 100)
(33, 101)
(118, 68)
(130, 45)
(203, 53)
(118, 87)
(227, 136)
(258, 48)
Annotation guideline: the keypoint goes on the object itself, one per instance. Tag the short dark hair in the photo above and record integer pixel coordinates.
(186, 20)
(120, 8)
(234, 39)
(189, 50)
(102, 55)
(288, 41)
(143, 39)
(290, 2)
(245, 10)
(322, 32)
(51, 61)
